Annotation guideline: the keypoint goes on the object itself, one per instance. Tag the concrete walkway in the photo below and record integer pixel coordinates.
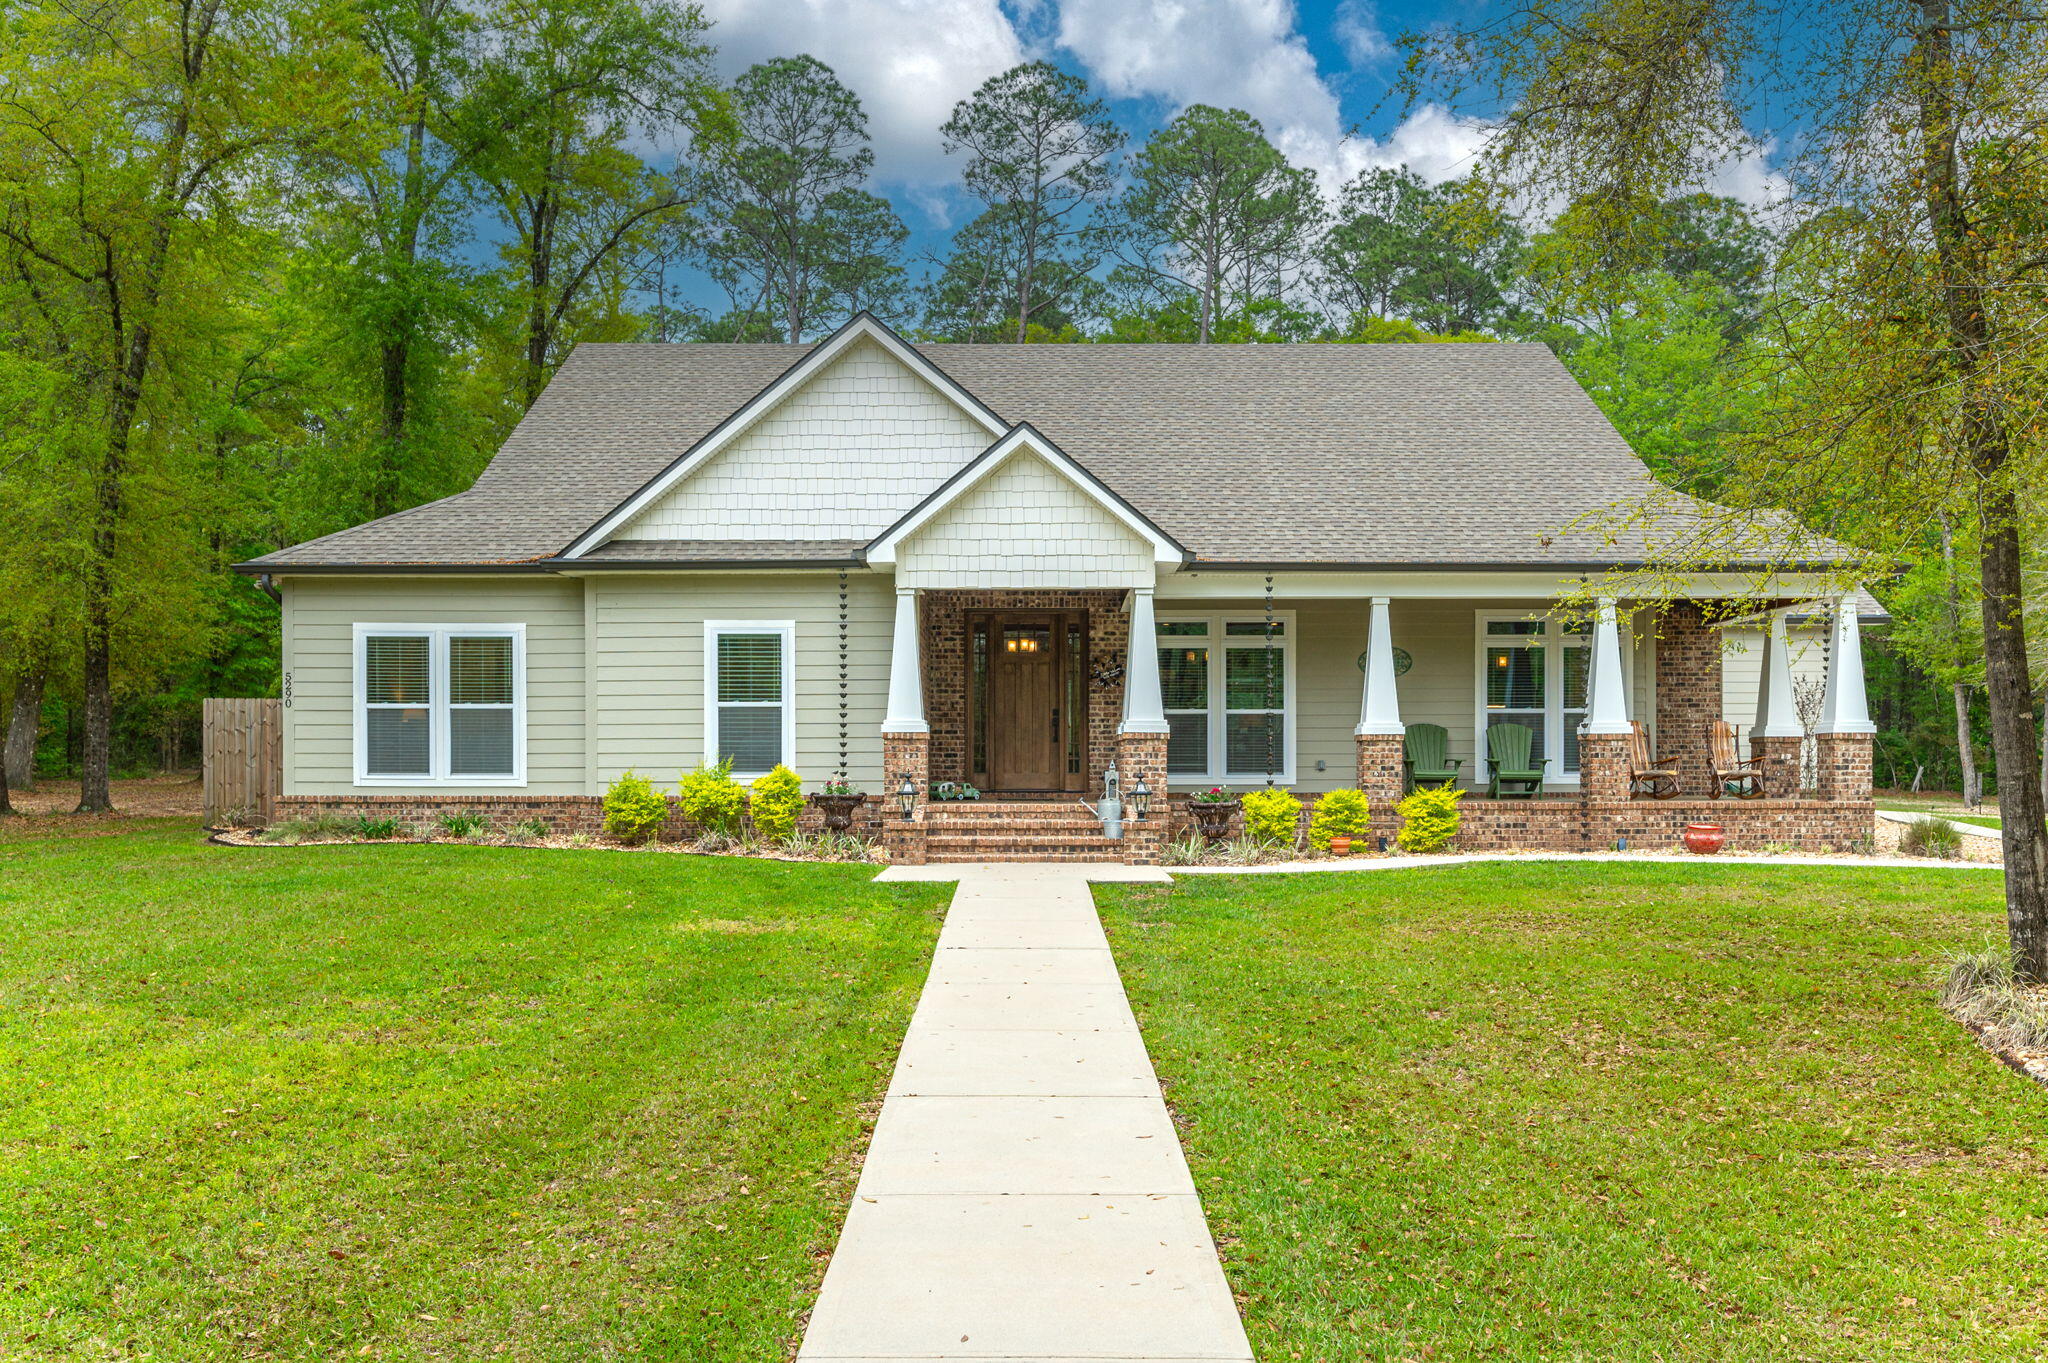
(1024, 1196)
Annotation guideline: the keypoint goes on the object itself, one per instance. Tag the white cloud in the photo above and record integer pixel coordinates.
(909, 61)
(1357, 27)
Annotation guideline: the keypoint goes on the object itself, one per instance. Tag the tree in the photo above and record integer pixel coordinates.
(1905, 350)
(973, 296)
(577, 203)
(1214, 211)
(784, 226)
(1400, 248)
(134, 137)
(1038, 149)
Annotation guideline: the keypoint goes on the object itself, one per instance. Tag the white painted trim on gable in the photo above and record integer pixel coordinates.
(714, 628)
(1022, 437)
(437, 637)
(863, 327)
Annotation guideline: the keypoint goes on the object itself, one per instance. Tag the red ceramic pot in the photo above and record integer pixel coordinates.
(1340, 845)
(1704, 839)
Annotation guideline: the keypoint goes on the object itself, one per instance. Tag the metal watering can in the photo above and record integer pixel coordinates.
(1111, 810)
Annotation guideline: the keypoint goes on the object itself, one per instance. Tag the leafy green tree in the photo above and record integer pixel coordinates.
(1214, 212)
(973, 296)
(1039, 150)
(135, 138)
(1907, 343)
(1398, 247)
(783, 224)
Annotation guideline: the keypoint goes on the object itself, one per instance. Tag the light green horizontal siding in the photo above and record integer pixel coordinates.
(320, 618)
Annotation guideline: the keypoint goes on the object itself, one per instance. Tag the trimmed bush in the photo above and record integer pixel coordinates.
(712, 800)
(778, 799)
(1341, 813)
(1430, 819)
(1272, 818)
(633, 808)
(1931, 837)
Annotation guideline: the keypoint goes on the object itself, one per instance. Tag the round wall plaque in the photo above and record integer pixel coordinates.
(1402, 662)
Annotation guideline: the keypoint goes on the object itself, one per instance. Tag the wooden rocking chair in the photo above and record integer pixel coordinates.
(1426, 764)
(1644, 780)
(1742, 777)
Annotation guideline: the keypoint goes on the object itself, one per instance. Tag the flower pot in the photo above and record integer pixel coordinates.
(838, 810)
(1340, 845)
(1212, 817)
(1704, 839)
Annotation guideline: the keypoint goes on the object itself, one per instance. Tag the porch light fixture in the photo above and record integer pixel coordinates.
(1141, 798)
(906, 796)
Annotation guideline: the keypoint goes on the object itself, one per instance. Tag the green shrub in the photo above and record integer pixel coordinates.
(1272, 818)
(528, 829)
(712, 800)
(633, 808)
(379, 829)
(1978, 989)
(1339, 813)
(778, 799)
(462, 825)
(1430, 819)
(1931, 837)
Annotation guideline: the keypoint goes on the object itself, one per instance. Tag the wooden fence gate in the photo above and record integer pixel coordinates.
(244, 748)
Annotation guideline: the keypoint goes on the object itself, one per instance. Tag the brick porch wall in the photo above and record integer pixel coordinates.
(1688, 693)
(943, 639)
(564, 814)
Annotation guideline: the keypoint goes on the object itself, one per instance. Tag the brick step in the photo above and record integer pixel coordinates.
(1070, 842)
(1090, 858)
(1082, 828)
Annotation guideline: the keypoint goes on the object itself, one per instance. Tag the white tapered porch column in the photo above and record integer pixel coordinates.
(906, 671)
(1379, 709)
(1846, 708)
(1777, 716)
(1607, 703)
(1144, 704)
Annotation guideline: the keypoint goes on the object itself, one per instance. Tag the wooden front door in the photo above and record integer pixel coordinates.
(1028, 701)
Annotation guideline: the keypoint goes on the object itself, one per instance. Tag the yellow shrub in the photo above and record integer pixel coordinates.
(1339, 813)
(1272, 817)
(778, 799)
(712, 800)
(633, 809)
(1430, 819)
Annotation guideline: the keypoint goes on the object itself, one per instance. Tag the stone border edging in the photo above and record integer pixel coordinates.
(1421, 861)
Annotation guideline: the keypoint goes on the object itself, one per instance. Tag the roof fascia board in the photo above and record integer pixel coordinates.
(864, 326)
(882, 549)
(1509, 583)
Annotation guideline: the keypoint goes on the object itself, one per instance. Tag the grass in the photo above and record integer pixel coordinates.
(408, 1102)
(1981, 820)
(1566, 1112)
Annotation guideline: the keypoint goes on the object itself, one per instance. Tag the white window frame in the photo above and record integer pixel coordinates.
(785, 628)
(437, 637)
(1219, 644)
(1554, 644)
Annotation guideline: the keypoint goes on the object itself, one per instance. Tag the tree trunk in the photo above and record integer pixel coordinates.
(1973, 794)
(1973, 791)
(95, 792)
(22, 725)
(2023, 816)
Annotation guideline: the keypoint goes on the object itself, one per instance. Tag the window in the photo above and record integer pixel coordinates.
(748, 716)
(440, 704)
(1228, 687)
(1534, 672)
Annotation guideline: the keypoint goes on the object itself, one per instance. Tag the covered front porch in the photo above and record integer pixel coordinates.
(1030, 697)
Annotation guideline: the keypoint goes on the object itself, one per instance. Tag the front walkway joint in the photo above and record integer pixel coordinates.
(1024, 1195)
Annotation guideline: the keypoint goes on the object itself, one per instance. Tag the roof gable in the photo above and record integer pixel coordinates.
(843, 441)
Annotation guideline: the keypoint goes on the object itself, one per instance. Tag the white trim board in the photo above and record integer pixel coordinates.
(863, 327)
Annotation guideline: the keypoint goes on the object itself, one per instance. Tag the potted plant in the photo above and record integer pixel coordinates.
(837, 802)
(1704, 839)
(1212, 811)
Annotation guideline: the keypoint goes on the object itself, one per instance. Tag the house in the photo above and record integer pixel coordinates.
(1019, 566)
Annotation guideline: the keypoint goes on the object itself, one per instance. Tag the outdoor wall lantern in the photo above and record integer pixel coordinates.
(1141, 798)
(906, 796)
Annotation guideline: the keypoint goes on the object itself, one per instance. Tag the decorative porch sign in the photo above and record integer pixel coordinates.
(1402, 662)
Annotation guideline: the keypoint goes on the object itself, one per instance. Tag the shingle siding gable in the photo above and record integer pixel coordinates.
(1025, 525)
(847, 454)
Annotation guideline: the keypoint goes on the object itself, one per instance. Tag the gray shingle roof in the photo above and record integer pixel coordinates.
(1288, 454)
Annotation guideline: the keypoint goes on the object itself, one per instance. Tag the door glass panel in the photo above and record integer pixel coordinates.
(1027, 640)
(977, 650)
(1077, 700)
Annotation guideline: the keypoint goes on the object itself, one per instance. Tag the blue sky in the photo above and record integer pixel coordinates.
(1315, 72)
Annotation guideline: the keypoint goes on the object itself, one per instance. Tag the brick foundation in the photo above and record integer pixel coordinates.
(1603, 767)
(1688, 694)
(1143, 756)
(1843, 766)
(906, 755)
(1779, 759)
(1380, 758)
(563, 814)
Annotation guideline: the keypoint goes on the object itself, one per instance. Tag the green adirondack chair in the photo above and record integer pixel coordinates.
(1426, 764)
(1507, 748)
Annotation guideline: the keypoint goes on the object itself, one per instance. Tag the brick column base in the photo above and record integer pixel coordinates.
(1779, 758)
(1603, 766)
(1380, 759)
(1143, 757)
(905, 755)
(1843, 763)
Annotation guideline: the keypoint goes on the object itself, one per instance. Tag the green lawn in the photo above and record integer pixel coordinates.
(412, 1102)
(1574, 1112)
